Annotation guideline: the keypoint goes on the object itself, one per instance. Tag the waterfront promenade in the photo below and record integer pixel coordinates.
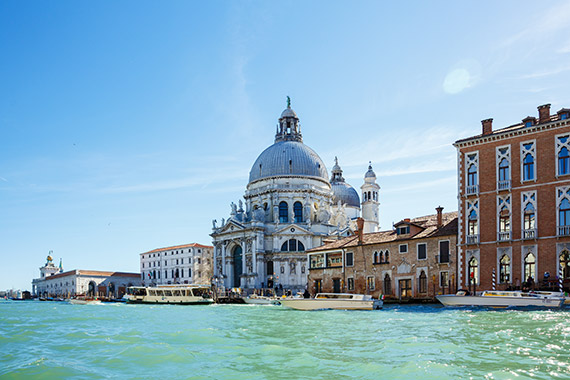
(53, 340)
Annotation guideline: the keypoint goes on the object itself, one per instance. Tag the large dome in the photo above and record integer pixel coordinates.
(288, 158)
(345, 193)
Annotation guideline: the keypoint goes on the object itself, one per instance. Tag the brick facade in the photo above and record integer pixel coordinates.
(511, 188)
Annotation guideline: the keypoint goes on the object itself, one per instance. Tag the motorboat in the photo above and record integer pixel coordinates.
(555, 294)
(170, 294)
(254, 299)
(498, 298)
(84, 301)
(337, 301)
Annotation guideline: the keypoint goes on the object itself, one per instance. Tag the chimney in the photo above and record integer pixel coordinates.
(439, 216)
(544, 113)
(360, 224)
(487, 126)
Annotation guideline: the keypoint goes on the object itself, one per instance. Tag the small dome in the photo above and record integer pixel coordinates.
(345, 193)
(370, 173)
(289, 113)
(288, 158)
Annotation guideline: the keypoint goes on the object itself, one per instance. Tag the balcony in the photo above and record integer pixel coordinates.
(473, 239)
(529, 234)
(503, 185)
(563, 230)
(470, 190)
(504, 236)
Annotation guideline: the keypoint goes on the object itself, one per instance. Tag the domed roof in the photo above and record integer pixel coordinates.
(345, 193)
(370, 173)
(288, 158)
(288, 112)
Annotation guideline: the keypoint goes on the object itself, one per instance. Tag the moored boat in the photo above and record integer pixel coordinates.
(261, 300)
(337, 301)
(170, 294)
(497, 298)
(84, 301)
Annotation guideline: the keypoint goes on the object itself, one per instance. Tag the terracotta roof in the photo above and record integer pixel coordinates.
(196, 245)
(428, 223)
(82, 272)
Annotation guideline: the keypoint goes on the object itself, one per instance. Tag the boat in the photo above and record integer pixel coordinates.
(254, 299)
(170, 294)
(498, 298)
(84, 301)
(336, 301)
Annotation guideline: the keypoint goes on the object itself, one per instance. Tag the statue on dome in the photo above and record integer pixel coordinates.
(288, 102)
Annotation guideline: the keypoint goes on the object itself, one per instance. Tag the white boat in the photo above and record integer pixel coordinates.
(170, 294)
(497, 298)
(261, 300)
(84, 301)
(337, 301)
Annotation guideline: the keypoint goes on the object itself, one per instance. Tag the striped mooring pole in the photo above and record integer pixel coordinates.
(560, 279)
(494, 280)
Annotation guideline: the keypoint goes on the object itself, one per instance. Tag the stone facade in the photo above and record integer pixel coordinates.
(416, 259)
(180, 264)
(514, 203)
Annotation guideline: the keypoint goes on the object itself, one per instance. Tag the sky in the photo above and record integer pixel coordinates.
(128, 126)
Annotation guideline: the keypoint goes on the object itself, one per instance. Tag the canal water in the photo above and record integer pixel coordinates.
(53, 340)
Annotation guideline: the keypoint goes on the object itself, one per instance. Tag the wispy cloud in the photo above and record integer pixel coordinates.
(546, 73)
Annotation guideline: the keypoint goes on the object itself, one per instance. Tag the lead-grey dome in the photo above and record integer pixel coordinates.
(288, 158)
(345, 193)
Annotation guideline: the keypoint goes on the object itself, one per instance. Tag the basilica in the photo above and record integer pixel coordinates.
(290, 206)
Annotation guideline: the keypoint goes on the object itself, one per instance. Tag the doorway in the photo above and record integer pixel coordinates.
(405, 288)
(237, 266)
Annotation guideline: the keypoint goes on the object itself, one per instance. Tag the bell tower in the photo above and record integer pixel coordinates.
(370, 201)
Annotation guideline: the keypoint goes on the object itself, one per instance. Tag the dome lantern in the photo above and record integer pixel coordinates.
(288, 128)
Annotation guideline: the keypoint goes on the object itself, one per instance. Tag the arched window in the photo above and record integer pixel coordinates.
(564, 213)
(375, 258)
(472, 175)
(387, 284)
(386, 257)
(292, 245)
(563, 162)
(283, 212)
(529, 267)
(473, 270)
(504, 220)
(472, 224)
(565, 264)
(422, 283)
(504, 174)
(505, 269)
(298, 211)
(529, 217)
(528, 167)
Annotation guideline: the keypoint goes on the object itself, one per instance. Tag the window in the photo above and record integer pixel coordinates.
(370, 283)
(529, 267)
(387, 284)
(283, 212)
(350, 283)
(387, 257)
(182, 272)
(564, 213)
(403, 230)
(317, 261)
(349, 259)
(472, 175)
(403, 248)
(298, 211)
(473, 227)
(565, 264)
(528, 154)
(529, 220)
(505, 269)
(504, 170)
(444, 251)
(282, 269)
(292, 245)
(318, 285)
(422, 283)
(422, 251)
(473, 270)
(562, 146)
(376, 257)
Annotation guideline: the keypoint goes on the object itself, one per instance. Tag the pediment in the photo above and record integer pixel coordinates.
(292, 229)
(231, 226)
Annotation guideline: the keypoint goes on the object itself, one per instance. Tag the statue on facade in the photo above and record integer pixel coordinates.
(240, 206)
(234, 208)
(214, 221)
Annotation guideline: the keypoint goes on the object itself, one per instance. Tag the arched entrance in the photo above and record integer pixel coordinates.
(92, 290)
(237, 253)
(112, 290)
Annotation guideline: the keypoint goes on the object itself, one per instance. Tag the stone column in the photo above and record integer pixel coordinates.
(254, 262)
(224, 269)
(243, 262)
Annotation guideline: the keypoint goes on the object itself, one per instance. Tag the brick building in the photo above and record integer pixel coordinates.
(415, 259)
(514, 202)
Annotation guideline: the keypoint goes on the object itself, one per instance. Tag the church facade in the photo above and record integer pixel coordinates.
(289, 206)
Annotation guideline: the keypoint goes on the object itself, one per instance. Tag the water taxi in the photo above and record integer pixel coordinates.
(170, 294)
(497, 298)
(254, 299)
(84, 301)
(336, 301)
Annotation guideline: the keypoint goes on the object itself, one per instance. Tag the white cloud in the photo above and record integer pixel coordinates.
(457, 81)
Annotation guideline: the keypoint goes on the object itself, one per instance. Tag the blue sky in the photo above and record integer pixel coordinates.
(128, 126)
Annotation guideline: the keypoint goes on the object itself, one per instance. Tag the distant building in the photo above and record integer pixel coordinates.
(54, 282)
(290, 206)
(514, 202)
(180, 264)
(417, 258)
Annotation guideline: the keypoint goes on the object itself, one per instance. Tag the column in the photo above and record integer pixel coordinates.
(243, 263)
(254, 261)
(224, 269)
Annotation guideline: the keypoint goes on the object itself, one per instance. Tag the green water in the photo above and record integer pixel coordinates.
(51, 340)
